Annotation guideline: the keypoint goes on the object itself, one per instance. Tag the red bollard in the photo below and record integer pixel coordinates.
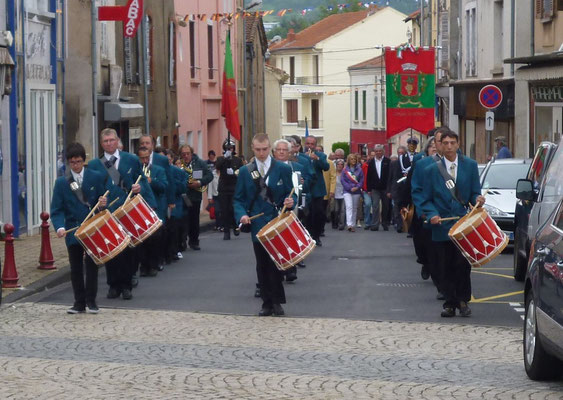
(10, 274)
(46, 259)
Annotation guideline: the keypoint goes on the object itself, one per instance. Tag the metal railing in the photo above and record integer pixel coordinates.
(313, 124)
(308, 80)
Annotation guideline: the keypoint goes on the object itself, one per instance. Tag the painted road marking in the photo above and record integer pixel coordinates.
(498, 296)
(493, 274)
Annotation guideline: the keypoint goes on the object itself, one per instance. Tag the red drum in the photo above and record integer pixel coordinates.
(138, 219)
(286, 240)
(478, 237)
(102, 237)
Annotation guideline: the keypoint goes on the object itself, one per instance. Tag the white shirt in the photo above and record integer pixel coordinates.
(449, 164)
(266, 165)
(116, 154)
(150, 159)
(378, 166)
(78, 178)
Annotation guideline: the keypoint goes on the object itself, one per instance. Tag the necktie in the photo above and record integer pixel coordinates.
(452, 170)
(79, 181)
(111, 162)
(262, 169)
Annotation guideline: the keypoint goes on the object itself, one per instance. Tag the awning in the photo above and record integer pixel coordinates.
(115, 112)
(5, 57)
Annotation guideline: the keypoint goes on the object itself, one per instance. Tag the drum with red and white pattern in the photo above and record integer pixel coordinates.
(138, 219)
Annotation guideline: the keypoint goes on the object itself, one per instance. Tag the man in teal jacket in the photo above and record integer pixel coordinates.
(439, 202)
(74, 196)
(200, 176)
(263, 186)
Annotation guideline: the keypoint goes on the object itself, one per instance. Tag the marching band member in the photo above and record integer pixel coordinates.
(450, 185)
(120, 170)
(73, 197)
(227, 165)
(263, 186)
(200, 176)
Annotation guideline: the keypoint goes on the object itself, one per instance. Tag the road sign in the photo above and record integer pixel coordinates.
(489, 121)
(490, 96)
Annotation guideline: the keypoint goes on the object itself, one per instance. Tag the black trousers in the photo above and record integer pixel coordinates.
(269, 278)
(150, 250)
(227, 211)
(317, 217)
(85, 290)
(120, 269)
(193, 223)
(174, 239)
(456, 282)
(425, 249)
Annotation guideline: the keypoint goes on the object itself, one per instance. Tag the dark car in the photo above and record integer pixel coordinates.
(543, 290)
(523, 234)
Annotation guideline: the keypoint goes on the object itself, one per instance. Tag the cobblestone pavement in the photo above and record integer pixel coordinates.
(46, 354)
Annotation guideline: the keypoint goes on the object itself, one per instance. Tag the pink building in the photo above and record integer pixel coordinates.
(200, 58)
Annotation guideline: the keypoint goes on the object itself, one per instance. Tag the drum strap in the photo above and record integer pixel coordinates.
(78, 192)
(450, 184)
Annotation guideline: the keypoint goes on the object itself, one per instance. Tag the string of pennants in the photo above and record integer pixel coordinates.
(264, 13)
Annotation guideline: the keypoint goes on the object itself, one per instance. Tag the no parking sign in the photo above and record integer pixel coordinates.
(490, 96)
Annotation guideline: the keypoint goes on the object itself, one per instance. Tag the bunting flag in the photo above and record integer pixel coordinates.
(410, 89)
(229, 103)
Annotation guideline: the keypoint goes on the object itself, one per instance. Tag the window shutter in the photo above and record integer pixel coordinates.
(547, 8)
(444, 40)
(539, 6)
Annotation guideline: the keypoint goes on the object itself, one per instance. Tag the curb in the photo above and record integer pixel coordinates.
(62, 275)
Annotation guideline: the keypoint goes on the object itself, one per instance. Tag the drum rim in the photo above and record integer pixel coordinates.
(91, 223)
(269, 234)
(480, 215)
(129, 205)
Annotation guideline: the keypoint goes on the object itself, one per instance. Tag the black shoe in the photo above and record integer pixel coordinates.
(464, 310)
(161, 266)
(227, 235)
(76, 309)
(319, 243)
(385, 228)
(374, 228)
(440, 296)
(291, 276)
(195, 247)
(152, 272)
(265, 312)
(113, 293)
(424, 273)
(301, 264)
(448, 312)
(93, 308)
(134, 281)
(236, 231)
(257, 292)
(278, 310)
(322, 234)
(126, 294)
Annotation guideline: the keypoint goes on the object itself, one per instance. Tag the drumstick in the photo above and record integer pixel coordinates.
(445, 219)
(256, 216)
(95, 207)
(112, 203)
(290, 195)
(478, 205)
(131, 192)
(71, 230)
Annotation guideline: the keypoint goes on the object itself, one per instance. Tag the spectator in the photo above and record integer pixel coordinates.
(503, 151)
(339, 211)
(352, 180)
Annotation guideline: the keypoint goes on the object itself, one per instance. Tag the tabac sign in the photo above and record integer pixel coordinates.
(129, 14)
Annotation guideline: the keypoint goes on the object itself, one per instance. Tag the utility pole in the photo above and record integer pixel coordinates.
(94, 20)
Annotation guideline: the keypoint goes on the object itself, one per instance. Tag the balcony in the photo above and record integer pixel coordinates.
(308, 80)
(313, 124)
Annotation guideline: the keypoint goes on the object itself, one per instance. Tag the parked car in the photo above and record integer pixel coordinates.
(481, 168)
(522, 234)
(543, 323)
(498, 181)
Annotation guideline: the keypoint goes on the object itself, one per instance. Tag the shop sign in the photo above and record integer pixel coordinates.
(547, 94)
(38, 57)
(130, 14)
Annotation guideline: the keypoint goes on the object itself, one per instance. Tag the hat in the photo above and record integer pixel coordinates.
(412, 140)
(501, 139)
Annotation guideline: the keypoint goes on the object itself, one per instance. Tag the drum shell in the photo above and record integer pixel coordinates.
(481, 241)
(138, 219)
(102, 237)
(286, 240)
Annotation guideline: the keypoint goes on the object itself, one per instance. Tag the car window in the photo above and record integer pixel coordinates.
(558, 221)
(504, 176)
(538, 165)
(554, 177)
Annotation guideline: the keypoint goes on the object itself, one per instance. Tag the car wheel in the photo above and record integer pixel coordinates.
(520, 263)
(538, 364)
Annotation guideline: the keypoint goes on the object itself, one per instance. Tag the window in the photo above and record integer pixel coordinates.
(470, 42)
(149, 70)
(292, 70)
(376, 111)
(172, 53)
(545, 8)
(356, 105)
(498, 35)
(132, 61)
(316, 69)
(210, 50)
(364, 104)
(291, 111)
(192, 50)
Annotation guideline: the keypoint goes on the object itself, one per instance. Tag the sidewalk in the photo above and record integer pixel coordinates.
(32, 279)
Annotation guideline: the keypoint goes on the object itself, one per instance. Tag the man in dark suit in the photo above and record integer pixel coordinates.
(120, 170)
(73, 197)
(263, 186)
(319, 163)
(377, 181)
(451, 198)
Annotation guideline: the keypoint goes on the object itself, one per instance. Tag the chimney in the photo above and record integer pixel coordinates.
(291, 35)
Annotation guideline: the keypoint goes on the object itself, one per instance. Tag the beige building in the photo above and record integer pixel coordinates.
(274, 79)
(317, 60)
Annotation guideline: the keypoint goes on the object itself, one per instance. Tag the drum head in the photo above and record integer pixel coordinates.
(92, 223)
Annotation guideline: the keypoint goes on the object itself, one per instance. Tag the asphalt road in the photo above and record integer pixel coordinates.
(363, 275)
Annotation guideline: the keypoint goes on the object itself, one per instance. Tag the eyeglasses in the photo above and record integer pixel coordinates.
(286, 150)
(75, 162)
(185, 154)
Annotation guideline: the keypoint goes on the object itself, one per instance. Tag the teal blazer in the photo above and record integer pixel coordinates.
(305, 174)
(159, 186)
(318, 188)
(207, 176)
(130, 168)
(280, 184)
(66, 210)
(438, 200)
(162, 161)
(180, 185)
(417, 181)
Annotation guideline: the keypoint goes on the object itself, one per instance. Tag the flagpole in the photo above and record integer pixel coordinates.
(146, 72)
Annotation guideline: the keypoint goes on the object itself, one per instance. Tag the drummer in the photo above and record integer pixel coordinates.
(73, 197)
(282, 149)
(450, 184)
(263, 186)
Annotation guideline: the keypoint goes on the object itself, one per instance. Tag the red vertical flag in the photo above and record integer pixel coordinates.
(229, 103)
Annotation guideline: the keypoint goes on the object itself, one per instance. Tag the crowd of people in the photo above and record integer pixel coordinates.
(348, 191)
